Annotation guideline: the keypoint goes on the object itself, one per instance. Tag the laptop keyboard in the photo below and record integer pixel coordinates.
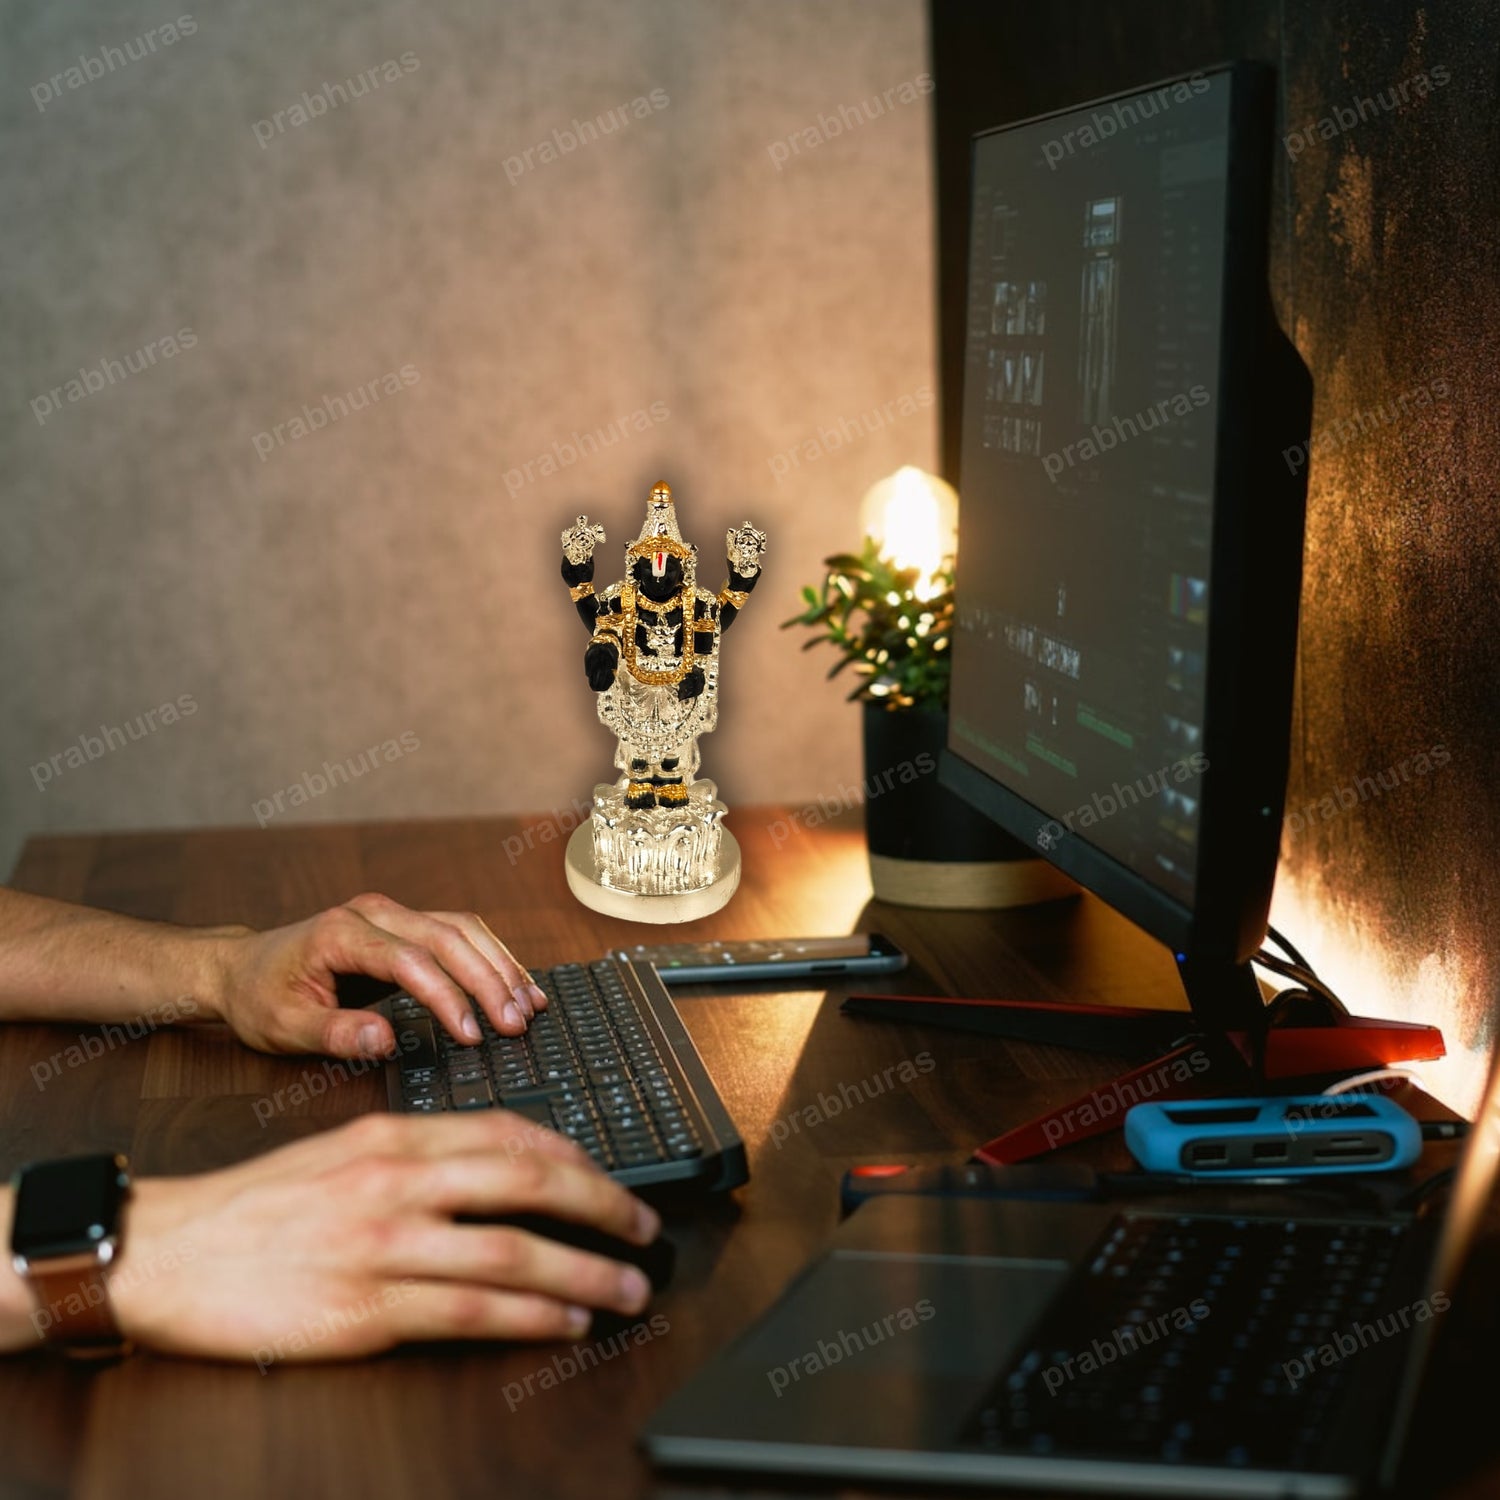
(595, 1066)
(1171, 1344)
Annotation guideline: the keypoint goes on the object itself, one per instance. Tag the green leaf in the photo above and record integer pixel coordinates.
(854, 616)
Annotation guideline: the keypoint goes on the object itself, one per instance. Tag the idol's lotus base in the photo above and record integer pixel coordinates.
(630, 906)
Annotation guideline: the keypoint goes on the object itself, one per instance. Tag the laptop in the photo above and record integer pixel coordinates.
(1147, 1348)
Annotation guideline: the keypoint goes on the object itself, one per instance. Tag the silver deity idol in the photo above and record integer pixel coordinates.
(655, 849)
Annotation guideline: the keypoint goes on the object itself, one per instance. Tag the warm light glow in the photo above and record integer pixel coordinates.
(1348, 953)
(913, 517)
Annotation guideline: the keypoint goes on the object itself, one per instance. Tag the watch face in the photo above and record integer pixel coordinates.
(68, 1207)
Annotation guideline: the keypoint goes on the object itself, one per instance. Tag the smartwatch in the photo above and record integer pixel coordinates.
(64, 1236)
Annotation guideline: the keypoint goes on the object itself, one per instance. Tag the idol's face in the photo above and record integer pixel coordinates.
(658, 575)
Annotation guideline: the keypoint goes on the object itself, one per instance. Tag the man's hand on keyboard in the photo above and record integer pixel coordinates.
(277, 991)
(60, 962)
(347, 1243)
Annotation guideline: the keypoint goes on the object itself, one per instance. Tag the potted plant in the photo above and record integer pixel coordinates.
(887, 611)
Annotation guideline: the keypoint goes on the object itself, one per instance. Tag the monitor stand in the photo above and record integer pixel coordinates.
(1231, 1042)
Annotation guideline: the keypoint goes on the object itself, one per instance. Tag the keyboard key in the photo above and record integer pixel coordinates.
(520, 1099)
(416, 1045)
(538, 1111)
(472, 1095)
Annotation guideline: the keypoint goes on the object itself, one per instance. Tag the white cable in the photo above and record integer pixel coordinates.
(1360, 1080)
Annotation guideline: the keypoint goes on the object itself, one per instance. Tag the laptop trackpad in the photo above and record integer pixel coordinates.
(883, 1350)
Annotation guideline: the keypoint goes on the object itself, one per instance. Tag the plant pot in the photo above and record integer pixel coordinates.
(928, 847)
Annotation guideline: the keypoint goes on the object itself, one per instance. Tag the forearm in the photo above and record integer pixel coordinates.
(60, 962)
(579, 577)
(735, 595)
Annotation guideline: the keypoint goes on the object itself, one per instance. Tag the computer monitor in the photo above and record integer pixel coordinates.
(1130, 534)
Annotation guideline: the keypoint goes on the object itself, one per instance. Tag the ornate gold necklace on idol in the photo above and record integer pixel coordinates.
(670, 676)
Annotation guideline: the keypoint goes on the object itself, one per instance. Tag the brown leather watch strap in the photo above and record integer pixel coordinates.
(74, 1312)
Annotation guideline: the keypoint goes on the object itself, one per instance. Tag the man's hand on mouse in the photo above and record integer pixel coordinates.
(347, 1243)
(276, 989)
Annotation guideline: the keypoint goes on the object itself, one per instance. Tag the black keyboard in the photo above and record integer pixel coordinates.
(608, 1064)
(1203, 1316)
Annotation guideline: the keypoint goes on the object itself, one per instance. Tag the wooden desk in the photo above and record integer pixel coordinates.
(436, 1422)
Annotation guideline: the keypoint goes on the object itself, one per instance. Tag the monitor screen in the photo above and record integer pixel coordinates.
(1096, 278)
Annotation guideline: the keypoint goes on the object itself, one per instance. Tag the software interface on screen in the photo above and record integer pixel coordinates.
(1095, 273)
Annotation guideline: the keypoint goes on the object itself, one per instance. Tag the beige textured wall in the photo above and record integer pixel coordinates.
(395, 572)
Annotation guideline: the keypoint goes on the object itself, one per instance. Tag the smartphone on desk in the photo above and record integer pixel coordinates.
(771, 958)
